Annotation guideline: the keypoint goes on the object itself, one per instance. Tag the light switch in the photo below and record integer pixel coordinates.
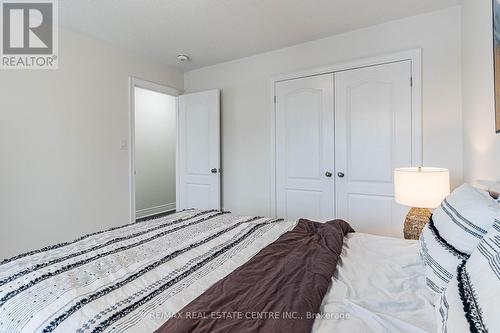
(123, 144)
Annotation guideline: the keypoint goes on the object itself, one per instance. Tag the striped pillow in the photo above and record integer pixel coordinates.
(455, 230)
(472, 299)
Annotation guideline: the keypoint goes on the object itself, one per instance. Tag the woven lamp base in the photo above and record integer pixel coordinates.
(415, 221)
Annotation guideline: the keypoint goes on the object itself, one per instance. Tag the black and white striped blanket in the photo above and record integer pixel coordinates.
(131, 278)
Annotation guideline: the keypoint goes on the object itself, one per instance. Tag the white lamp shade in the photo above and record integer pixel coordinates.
(421, 187)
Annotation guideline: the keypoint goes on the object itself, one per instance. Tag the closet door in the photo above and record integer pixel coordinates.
(305, 148)
(373, 133)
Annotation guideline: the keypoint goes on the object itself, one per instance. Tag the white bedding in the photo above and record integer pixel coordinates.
(379, 286)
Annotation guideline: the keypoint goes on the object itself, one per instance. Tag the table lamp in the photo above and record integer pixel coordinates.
(422, 189)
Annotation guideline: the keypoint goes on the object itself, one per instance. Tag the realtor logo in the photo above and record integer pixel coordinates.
(29, 34)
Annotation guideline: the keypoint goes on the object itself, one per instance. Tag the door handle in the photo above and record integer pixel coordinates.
(340, 174)
(214, 170)
(328, 174)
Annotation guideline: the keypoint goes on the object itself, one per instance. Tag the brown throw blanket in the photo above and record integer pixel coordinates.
(279, 290)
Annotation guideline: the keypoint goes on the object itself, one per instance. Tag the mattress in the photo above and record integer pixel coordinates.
(379, 286)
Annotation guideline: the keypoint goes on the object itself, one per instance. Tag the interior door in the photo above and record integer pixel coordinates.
(305, 148)
(373, 133)
(198, 151)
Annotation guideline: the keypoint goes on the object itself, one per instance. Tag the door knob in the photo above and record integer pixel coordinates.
(340, 174)
(328, 174)
(214, 170)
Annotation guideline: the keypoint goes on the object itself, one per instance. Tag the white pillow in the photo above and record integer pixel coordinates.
(471, 301)
(440, 259)
(455, 230)
(464, 217)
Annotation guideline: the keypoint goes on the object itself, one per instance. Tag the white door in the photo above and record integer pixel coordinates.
(305, 148)
(198, 151)
(373, 133)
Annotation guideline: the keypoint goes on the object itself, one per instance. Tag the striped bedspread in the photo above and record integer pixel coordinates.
(131, 278)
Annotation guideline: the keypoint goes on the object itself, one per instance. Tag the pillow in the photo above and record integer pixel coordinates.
(439, 257)
(464, 217)
(454, 231)
(472, 299)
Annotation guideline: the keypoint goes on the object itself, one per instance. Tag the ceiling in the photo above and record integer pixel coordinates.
(214, 31)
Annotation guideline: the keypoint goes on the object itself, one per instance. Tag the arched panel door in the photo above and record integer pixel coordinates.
(373, 134)
(305, 148)
(198, 151)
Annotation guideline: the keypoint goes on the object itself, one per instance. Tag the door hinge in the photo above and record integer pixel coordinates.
(275, 99)
(411, 81)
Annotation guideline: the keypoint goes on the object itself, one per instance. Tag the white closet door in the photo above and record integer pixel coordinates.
(305, 148)
(199, 151)
(373, 133)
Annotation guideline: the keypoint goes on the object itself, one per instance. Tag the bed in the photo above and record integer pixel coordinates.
(138, 277)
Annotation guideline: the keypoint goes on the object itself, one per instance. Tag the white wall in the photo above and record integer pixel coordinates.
(62, 173)
(155, 145)
(246, 94)
(481, 144)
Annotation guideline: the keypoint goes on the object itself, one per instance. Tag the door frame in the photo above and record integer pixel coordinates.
(413, 55)
(153, 86)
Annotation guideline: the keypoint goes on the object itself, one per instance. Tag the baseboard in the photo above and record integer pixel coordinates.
(154, 210)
